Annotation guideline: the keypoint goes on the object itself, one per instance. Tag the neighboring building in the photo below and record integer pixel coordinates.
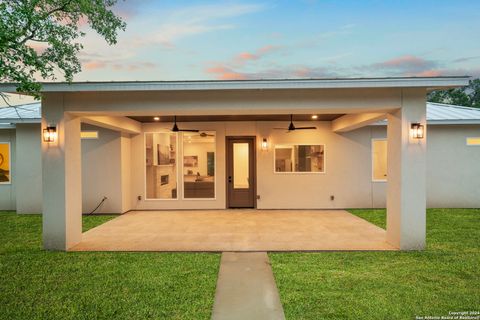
(238, 158)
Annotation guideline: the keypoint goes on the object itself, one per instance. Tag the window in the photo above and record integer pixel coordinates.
(300, 158)
(199, 165)
(161, 165)
(473, 141)
(379, 160)
(5, 177)
(89, 135)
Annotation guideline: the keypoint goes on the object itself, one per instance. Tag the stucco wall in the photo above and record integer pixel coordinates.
(7, 191)
(453, 170)
(348, 175)
(102, 171)
(113, 166)
(29, 168)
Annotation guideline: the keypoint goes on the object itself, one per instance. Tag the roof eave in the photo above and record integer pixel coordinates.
(430, 83)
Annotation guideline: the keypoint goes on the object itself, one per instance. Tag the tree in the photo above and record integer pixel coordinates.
(55, 25)
(468, 96)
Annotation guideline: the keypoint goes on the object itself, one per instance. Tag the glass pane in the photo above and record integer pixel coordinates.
(199, 165)
(161, 167)
(240, 166)
(379, 159)
(283, 159)
(300, 158)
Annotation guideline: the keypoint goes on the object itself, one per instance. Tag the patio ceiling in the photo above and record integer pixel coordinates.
(266, 117)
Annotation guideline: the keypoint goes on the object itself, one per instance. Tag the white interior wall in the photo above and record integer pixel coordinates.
(7, 191)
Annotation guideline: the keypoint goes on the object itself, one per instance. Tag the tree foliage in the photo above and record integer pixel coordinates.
(468, 96)
(52, 25)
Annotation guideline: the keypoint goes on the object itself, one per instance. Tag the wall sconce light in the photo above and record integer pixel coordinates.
(264, 144)
(50, 134)
(417, 130)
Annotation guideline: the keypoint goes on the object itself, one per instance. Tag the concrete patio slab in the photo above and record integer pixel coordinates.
(246, 288)
(235, 230)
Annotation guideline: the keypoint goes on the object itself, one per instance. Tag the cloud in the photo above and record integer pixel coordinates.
(222, 72)
(465, 59)
(245, 57)
(406, 64)
(116, 65)
(194, 20)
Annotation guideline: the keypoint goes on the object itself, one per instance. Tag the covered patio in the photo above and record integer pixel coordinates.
(235, 230)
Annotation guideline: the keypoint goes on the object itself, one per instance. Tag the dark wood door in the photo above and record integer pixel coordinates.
(241, 172)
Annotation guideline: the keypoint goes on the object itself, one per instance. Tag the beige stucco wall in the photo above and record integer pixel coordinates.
(7, 191)
(29, 168)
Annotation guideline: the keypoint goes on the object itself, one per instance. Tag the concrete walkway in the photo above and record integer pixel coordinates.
(235, 230)
(246, 288)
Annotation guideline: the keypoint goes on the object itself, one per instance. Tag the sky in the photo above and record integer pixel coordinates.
(193, 40)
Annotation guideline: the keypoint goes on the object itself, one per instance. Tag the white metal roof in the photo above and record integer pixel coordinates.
(440, 113)
(336, 83)
(437, 113)
(26, 113)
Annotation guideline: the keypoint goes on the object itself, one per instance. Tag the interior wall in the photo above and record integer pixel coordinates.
(7, 191)
(29, 168)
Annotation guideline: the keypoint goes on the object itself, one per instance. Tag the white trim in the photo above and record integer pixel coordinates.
(469, 144)
(214, 177)
(301, 172)
(371, 153)
(392, 82)
(145, 166)
(9, 163)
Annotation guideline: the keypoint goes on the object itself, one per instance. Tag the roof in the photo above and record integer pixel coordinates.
(440, 113)
(437, 113)
(330, 83)
(24, 113)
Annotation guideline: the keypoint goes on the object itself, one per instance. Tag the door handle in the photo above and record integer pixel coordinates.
(230, 179)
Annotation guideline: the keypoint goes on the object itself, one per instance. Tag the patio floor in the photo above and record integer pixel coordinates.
(235, 230)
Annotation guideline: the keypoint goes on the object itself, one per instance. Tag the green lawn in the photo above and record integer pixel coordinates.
(37, 284)
(387, 285)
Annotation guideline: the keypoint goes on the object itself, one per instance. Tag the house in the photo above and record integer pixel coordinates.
(265, 144)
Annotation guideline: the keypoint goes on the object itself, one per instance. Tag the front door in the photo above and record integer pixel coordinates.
(241, 180)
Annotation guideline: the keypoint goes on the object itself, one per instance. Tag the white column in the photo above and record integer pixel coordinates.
(62, 179)
(406, 189)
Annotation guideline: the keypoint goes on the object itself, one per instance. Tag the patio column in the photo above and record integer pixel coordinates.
(62, 185)
(406, 189)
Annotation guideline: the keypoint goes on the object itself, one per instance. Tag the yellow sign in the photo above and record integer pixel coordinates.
(4, 162)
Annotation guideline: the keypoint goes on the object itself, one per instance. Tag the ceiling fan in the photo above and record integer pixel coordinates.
(291, 126)
(176, 129)
(204, 135)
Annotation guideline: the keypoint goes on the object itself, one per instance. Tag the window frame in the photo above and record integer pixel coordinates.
(145, 165)
(471, 145)
(214, 177)
(9, 162)
(301, 172)
(372, 160)
(90, 138)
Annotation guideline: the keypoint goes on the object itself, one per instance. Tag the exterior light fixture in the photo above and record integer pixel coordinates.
(50, 134)
(417, 130)
(314, 117)
(156, 118)
(264, 144)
